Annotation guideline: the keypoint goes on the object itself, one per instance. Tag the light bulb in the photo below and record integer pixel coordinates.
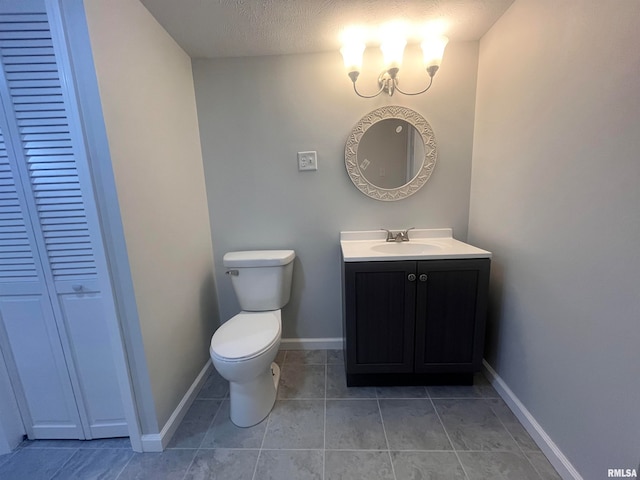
(352, 52)
(432, 51)
(392, 51)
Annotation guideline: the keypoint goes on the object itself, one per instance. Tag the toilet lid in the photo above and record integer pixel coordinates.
(246, 335)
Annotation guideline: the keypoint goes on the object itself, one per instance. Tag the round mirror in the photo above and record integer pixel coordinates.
(390, 153)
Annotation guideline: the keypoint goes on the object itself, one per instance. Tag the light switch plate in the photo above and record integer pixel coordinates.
(307, 161)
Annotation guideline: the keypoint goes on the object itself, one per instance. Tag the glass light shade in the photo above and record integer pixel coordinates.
(433, 49)
(392, 51)
(352, 55)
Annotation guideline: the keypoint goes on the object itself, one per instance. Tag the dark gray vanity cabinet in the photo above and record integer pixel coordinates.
(380, 317)
(414, 322)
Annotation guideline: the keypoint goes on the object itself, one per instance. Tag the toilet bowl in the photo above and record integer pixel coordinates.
(243, 348)
(242, 351)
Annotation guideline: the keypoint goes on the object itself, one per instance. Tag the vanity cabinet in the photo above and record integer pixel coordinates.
(414, 322)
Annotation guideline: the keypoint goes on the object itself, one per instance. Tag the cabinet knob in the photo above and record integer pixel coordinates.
(77, 288)
(423, 277)
(411, 277)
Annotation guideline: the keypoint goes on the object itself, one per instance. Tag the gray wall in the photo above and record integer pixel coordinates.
(255, 114)
(148, 101)
(556, 195)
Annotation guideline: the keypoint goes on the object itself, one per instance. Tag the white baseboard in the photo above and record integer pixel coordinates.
(561, 463)
(157, 442)
(151, 442)
(335, 343)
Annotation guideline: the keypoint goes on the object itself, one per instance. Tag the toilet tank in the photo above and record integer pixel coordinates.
(261, 278)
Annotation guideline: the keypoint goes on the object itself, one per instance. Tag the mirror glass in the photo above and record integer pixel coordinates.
(390, 153)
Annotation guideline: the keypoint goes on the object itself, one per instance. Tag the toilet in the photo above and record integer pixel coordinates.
(244, 347)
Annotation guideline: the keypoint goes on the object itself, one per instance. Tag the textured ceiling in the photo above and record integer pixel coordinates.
(235, 28)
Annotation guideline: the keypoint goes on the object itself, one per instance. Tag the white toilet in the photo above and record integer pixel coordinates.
(244, 347)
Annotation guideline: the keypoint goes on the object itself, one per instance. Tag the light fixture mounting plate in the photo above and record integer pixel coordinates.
(387, 83)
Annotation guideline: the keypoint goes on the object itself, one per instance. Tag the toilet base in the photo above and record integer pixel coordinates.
(251, 402)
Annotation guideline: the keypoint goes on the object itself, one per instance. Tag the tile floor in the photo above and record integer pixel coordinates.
(318, 430)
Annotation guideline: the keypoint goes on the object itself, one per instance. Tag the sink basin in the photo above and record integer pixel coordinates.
(406, 248)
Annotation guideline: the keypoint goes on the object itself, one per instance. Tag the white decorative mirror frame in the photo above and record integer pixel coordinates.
(353, 141)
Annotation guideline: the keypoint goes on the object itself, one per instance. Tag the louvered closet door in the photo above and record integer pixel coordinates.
(29, 338)
(44, 155)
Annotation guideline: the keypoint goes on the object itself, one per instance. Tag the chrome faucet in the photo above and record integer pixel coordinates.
(401, 236)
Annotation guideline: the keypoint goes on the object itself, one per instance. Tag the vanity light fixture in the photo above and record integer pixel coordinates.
(392, 46)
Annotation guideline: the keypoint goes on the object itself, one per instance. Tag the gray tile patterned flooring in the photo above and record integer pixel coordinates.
(318, 430)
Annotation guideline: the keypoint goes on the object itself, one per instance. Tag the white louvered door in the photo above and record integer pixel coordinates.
(29, 338)
(55, 338)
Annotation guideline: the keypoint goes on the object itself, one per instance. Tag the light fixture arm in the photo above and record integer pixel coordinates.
(354, 76)
(388, 82)
(432, 71)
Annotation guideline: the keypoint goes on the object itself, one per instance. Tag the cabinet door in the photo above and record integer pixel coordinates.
(450, 315)
(380, 312)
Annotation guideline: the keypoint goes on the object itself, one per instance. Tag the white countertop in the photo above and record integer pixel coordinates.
(423, 244)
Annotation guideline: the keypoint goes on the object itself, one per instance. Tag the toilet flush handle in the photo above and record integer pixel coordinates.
(232, 272)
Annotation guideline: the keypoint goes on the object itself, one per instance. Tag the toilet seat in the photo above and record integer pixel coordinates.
(246, 335)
